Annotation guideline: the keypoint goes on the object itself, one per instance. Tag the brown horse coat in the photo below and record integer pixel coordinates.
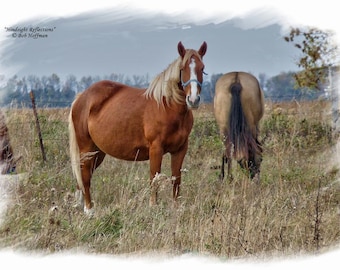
(137, 124)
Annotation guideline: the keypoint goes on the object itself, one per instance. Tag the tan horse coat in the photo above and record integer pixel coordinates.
(238, 108)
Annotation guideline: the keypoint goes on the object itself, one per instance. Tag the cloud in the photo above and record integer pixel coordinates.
(248, 15)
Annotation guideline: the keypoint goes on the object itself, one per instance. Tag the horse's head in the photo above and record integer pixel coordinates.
(192, 73)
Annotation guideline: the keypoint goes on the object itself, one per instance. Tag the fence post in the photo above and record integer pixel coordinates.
(38, 126)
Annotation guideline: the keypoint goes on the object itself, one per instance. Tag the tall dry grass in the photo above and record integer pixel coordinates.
(295, 208)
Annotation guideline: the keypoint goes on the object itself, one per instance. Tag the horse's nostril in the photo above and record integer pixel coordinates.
(195, 103)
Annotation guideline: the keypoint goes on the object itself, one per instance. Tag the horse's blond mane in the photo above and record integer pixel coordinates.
(165, 84)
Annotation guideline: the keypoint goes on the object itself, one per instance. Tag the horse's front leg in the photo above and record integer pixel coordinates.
(176, 166)
(156, 155)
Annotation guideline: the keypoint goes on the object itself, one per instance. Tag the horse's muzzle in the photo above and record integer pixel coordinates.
(193, 104)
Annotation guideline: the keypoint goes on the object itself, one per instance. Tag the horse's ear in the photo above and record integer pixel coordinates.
(203, 49)
(181, 49)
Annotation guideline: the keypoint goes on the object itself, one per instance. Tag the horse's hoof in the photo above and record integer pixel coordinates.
(89, 212)
(152, 202)
(175, 205)
(256, 178)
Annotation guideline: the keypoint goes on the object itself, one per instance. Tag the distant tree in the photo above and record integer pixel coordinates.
(282, 88)
(52, 88)
(71, 84)
(54, 81)
(21, 85)
(128, 81)
(115, 77)
(69, 89)
(139, 81)
(85, 82)
(262, 80)
(318, 53)
(207, 92)
(213, 80)
(7, 90)
(33, 82)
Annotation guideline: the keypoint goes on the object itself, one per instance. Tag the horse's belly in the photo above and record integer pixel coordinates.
(119, 133)
(121, 147)
(137, 153)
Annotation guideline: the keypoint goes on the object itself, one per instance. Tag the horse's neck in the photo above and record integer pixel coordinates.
(181, 110)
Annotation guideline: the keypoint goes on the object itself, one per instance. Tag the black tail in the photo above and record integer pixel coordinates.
(239, 133)
(245, 147)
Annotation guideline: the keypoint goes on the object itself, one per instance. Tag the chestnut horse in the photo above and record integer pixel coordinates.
(136, 124)
(238, 108)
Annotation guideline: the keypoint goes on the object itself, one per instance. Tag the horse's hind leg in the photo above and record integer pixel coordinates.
(222, 167)
(89, 162)
(227, 158)
(230, 175)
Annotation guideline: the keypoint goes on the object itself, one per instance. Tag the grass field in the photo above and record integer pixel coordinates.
(294, 210)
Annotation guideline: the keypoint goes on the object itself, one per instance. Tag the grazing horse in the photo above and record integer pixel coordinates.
(238, 108)
(136, 124)
(7, 160)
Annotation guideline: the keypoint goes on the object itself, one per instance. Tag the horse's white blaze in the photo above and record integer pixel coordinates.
(193, 83)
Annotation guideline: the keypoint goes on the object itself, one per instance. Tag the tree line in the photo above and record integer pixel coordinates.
(51, 91)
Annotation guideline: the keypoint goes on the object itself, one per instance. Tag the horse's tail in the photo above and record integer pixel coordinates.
(240, 135)
(74, 151)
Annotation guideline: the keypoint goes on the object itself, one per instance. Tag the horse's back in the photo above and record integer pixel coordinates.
(101, 92)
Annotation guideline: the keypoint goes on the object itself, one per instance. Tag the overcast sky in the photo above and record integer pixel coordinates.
(134, 38)
(141, 44)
